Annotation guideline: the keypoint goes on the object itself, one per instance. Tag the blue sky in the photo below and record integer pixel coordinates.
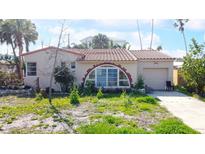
(164, 33)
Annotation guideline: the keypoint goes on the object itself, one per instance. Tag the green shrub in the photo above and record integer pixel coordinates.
(106, 128)
(94, 100)
(74, 96)
(100, 93)
(173, 126)
(89, 88)
(123, 94)
(39, 97)
(147, 99)
(140, 83)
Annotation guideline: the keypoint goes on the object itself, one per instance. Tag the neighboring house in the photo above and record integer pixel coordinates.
(88, 41)
(107, 68)
(7, 67)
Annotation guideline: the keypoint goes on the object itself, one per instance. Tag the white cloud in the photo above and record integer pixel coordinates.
(178, 53)
(131, 37)
(114, 23)
(196, 24)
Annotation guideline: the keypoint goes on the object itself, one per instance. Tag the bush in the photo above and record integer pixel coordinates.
(39, 97)
(74, 96)
(106, 128)
(147, 99)
(89, 88)
(140, 83)
(173, 126)
(100, 93)
(64, 77)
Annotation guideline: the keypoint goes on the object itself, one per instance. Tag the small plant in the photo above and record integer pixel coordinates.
(140, 83)
(147, 99)
(100, 93)
(74, 96)
(123, 94)
(39, 97)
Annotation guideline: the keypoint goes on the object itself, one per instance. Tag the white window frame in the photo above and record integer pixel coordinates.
(109, 67)
(27, 69)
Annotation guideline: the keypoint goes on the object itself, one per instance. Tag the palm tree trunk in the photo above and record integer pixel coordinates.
(185, 44)
(138, 29)
(152, 34)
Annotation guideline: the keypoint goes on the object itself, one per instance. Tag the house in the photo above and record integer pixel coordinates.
(107, 68)
(88, 41)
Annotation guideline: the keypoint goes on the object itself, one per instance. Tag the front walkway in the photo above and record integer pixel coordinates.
(188, 109)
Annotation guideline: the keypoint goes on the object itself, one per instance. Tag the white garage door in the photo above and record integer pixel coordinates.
(155, 77)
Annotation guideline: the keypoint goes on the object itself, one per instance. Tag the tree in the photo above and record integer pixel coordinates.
(138, 29)
(17, 33)
(159, 48)
(180, 23)
(193, 68)
(100, 41)
(117, 46)
(64, 77)
(152, 34)
(79, 46)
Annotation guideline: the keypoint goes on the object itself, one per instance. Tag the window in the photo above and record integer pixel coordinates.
(108, 77)
(123, 81)
(72, 65)
(31, 69)
(112, 77)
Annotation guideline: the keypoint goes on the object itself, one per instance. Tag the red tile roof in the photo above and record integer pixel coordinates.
(105, 54)
(150, 54)
(110, 54)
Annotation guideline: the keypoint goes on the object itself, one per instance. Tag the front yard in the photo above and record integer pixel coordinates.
(113, 114)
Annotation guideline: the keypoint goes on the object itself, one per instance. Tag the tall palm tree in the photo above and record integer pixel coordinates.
(152, 34)
(180, 23)
(138, 29)
(17, 33)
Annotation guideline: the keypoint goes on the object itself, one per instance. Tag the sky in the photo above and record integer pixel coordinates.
(165, 34)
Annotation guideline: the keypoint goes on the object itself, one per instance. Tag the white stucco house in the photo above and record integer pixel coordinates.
(107, 68)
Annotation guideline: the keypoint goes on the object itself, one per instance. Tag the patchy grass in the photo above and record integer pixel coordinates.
(130, 113)
(111, 125)
(173, 126)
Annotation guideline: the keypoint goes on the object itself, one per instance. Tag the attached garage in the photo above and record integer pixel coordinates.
(155, 77)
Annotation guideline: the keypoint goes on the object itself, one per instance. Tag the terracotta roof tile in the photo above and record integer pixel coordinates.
(150, 54)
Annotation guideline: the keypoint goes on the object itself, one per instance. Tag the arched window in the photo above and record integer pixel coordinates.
(108, 76)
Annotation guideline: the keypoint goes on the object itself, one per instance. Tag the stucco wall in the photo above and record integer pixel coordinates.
(45, 60)
(82, 67)
(156, 64)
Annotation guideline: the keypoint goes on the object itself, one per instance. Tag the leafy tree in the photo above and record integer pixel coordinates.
(100, 41)
(193, 68)
(64, 77)
(80, 46)
(179, 23)
(159, 48)
(17, 33)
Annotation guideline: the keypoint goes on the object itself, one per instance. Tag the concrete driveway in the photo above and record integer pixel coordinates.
(188, 109)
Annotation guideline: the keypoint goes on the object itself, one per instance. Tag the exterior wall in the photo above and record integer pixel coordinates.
(175, 76)
(82, 67)
(156, 64)
(44, 61)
